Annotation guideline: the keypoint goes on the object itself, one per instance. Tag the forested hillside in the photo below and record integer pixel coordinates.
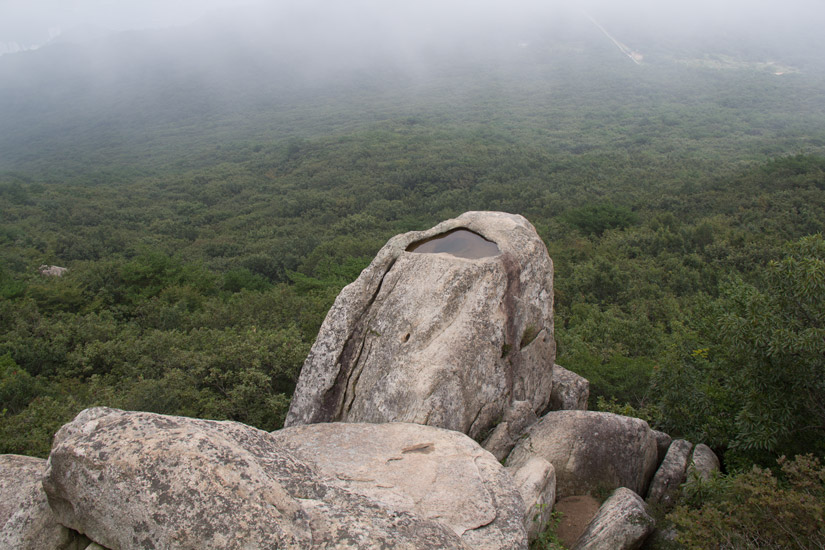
(208, 223)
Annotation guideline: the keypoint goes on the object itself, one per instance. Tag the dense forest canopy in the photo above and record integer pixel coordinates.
(211, 190)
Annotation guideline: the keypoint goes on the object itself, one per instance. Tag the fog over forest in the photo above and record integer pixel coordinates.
(111, 69)
(412, 24)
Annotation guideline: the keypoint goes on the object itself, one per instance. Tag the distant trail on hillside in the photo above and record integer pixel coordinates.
(634, 56)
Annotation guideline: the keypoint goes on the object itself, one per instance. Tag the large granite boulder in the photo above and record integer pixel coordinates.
(591, 451)
(446, 327)
(140, 480)
(622, 523)
(26, 521)
(432, 473)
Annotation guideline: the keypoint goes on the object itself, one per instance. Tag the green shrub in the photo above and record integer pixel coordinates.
(756, 509)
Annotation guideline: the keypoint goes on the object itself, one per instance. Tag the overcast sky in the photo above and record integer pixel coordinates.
(32, 22)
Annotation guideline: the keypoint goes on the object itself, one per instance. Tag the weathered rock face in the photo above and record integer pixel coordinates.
(536, 481)
(591, 451)
(434, 338)
(141, 480)
(516, 419)
(570, 391)
(431, 473)
(703, 462)
(663, 442)
(670, 475)
(622, 523)
(26, 522)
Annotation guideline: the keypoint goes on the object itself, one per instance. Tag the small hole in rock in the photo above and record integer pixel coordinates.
(406, 338)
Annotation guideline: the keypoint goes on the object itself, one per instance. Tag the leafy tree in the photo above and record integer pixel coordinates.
(759, 388)
(17, 387)
(773, 340)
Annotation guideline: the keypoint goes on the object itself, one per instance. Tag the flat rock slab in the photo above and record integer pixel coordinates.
(26, 521)
(436, 474)
(436, 338)
(591, 451)
(131, 480)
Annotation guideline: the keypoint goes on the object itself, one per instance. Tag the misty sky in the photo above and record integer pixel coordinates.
(30, 22)
(33, 22)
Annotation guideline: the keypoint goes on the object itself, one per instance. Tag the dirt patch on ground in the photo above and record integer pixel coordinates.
(576, 512)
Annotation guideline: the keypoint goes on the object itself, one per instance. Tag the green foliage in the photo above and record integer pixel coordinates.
(755, 509)
(547, 539)
(17, 387)
(758, 388)
(648, 412)
(597, 218)
(776, 335)
(241, 278)
(10, 287)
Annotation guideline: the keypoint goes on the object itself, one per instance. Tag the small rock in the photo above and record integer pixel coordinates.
(517, 419)
(622, 523)
(536, 481)
(52, 270)
(671, 474)
(703, 462)
(570, 391)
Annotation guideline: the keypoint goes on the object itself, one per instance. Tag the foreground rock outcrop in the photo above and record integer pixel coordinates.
(448, 337)
(591, 451)
(141, 480)
(435, 474)
(26, 521)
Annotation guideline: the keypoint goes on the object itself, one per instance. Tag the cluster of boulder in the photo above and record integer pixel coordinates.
(429, 414)
(52, 270)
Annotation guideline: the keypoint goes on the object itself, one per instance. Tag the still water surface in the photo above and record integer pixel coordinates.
(458, 242)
